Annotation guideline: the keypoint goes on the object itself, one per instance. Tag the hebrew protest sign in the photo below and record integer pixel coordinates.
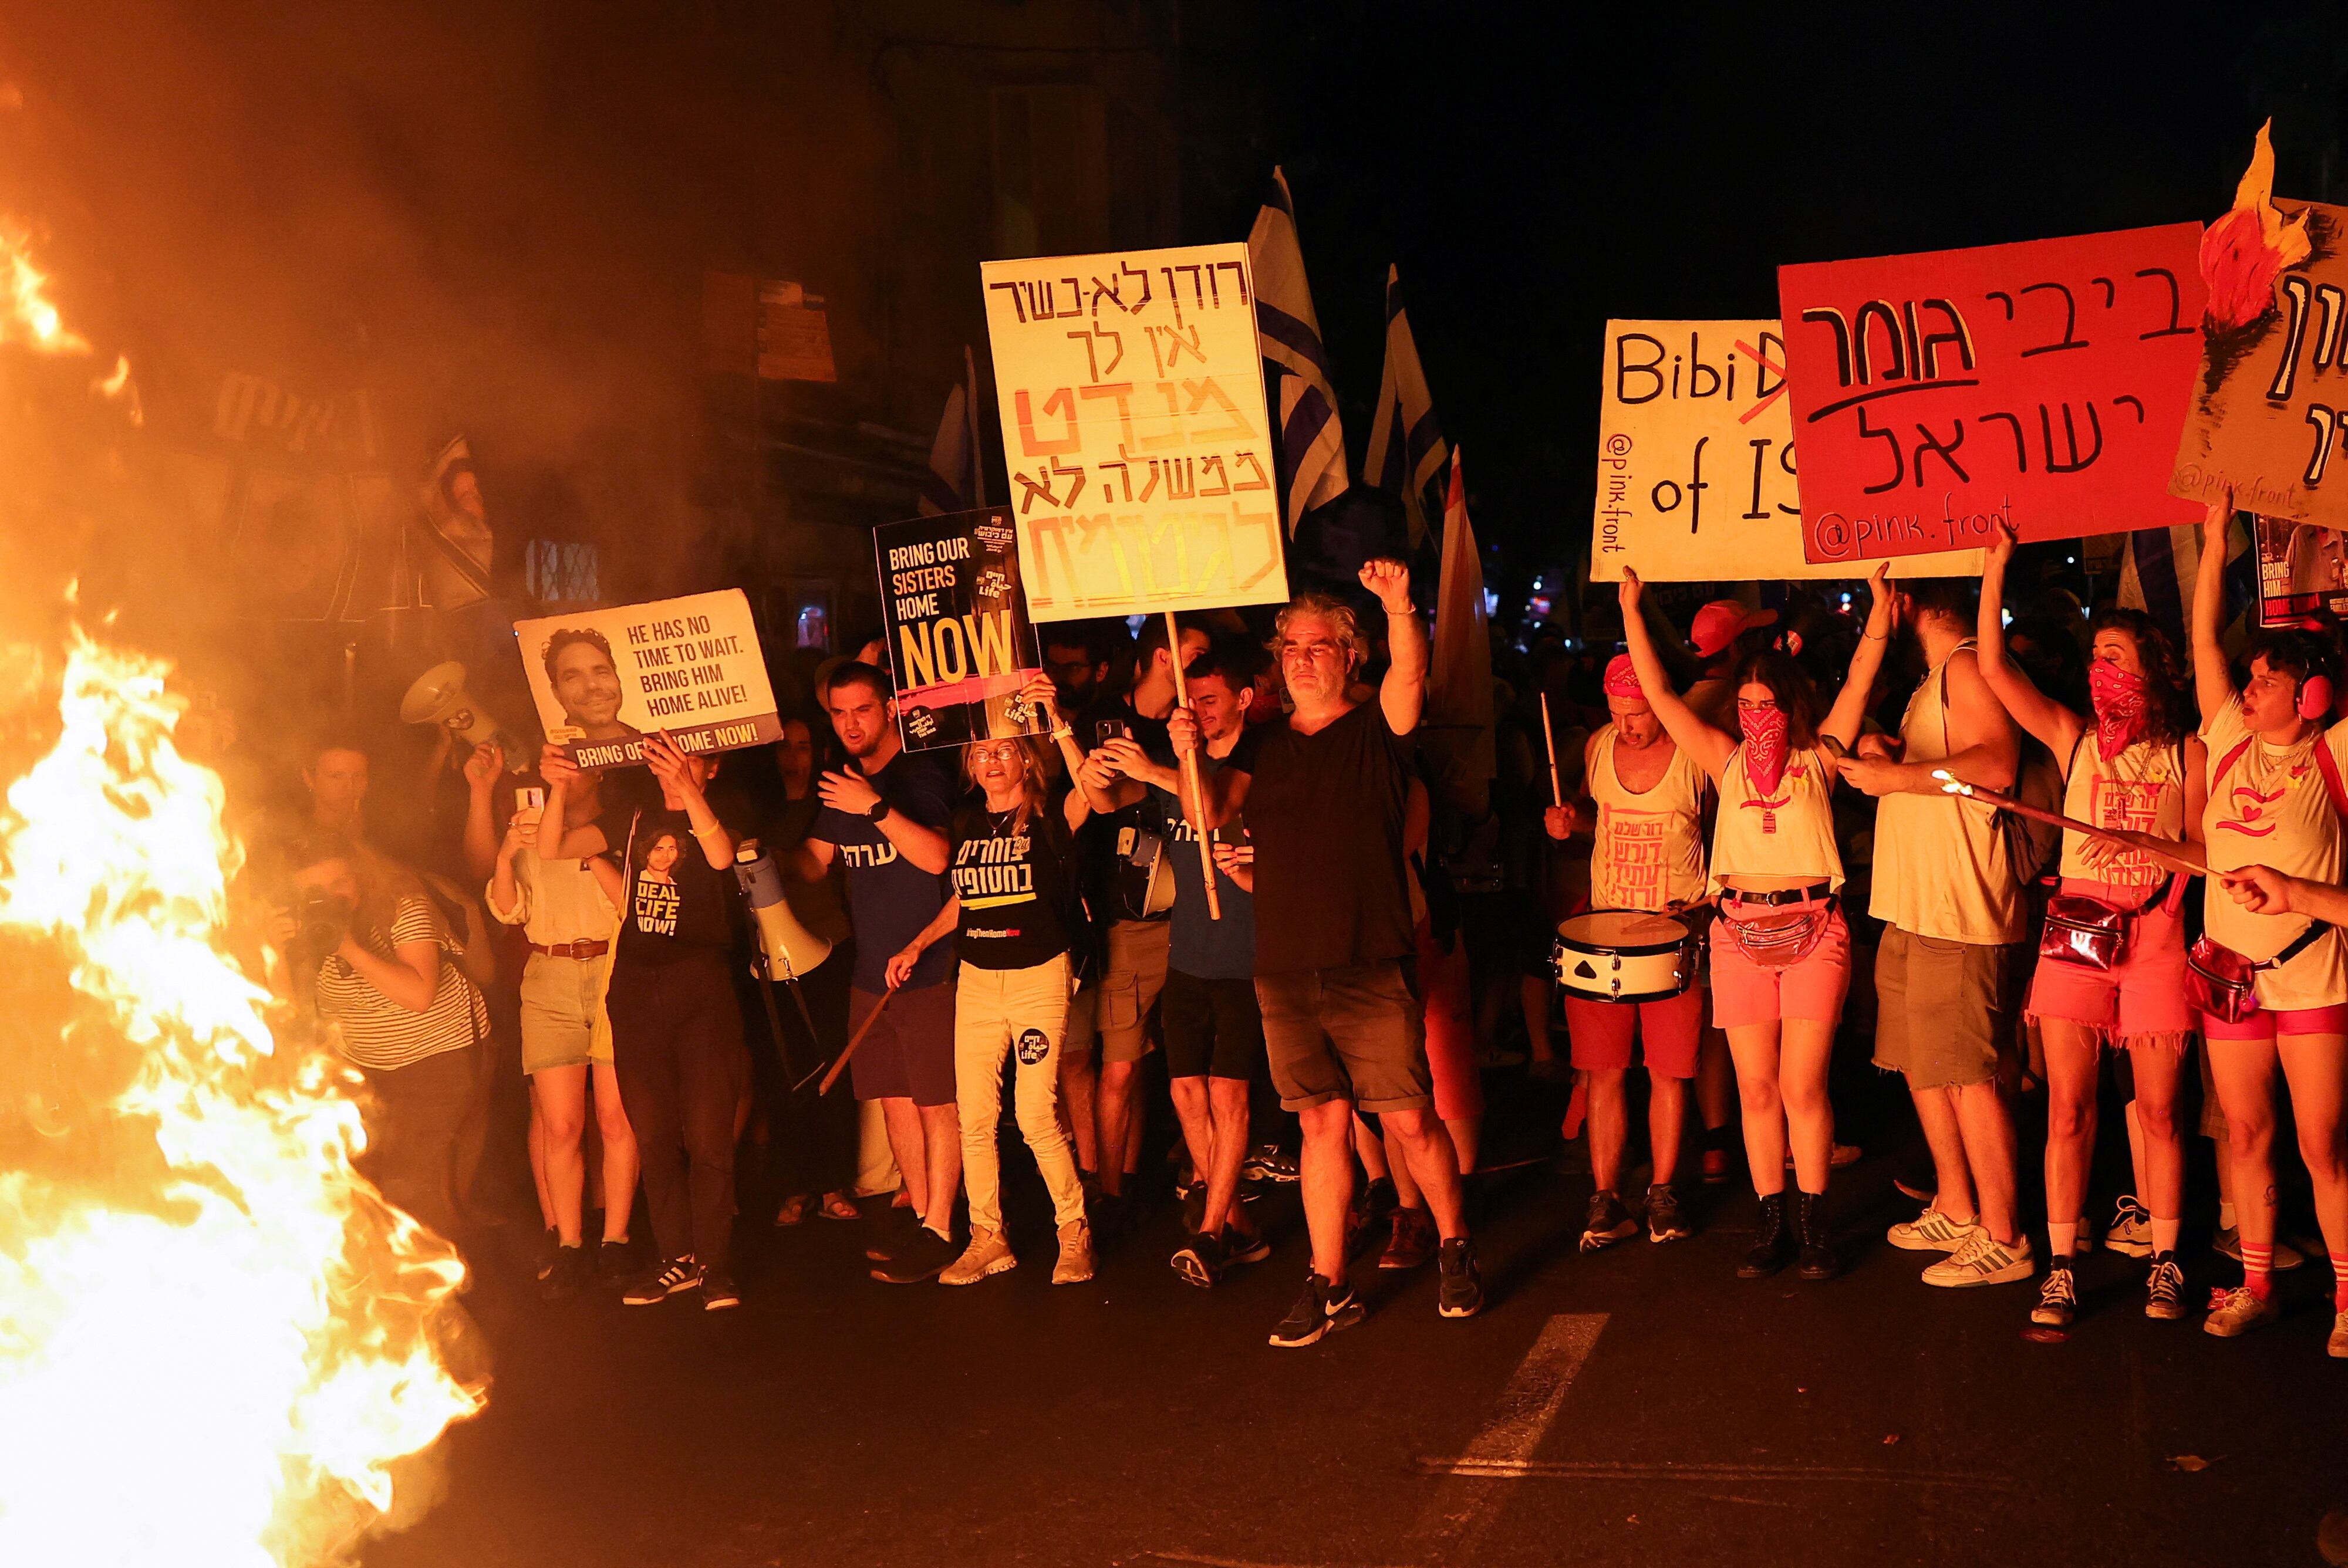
(2303, 569)
(603, 679)
(958, 634)
(1695, 461)
(2041, 384)
(1134, 428)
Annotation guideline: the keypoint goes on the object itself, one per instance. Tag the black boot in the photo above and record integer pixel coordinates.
(1772, 1248)
(1818, 1260)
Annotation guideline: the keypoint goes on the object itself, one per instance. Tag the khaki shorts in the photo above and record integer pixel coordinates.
(1945, 1010)
(563, 1023)
(1356, 1034)
(1138, 954)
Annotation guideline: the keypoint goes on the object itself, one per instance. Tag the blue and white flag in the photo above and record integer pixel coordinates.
(2158, 569)
(1311, 443)
(955, 483)
(1406, 444)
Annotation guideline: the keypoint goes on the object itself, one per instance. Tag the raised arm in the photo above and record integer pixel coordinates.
(1848, 715)
(2057, 727)
(481, 771)
(2213, 683)
(1403, 694)
(847, 790)
(1709, 746)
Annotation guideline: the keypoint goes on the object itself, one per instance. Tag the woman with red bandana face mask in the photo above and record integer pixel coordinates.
(2132, 765)
(1781, 953)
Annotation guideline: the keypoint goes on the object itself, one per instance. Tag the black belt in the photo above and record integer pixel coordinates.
(1783, 896)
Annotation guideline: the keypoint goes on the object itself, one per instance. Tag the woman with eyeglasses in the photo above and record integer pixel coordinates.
(1780, 950)
(1014, 916)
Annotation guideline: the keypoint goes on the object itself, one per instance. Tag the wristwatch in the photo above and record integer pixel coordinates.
(880, 809)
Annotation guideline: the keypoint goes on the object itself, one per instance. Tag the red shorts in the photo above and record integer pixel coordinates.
(1668, 1030)
(1443, 985)
(2269, 1022)
(2142, 997)
(1745, 993)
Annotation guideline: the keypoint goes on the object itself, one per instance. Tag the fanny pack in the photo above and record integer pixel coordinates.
(1781, 939)
(2224, 984)
(2091, 932)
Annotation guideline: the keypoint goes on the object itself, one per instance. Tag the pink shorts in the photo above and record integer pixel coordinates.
(2269, 1022)
(1745, 993)
(1668, 1030)
(2143, 998)
(1443, 986)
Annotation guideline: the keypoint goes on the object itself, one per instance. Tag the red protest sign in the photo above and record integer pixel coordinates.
(2042, 383)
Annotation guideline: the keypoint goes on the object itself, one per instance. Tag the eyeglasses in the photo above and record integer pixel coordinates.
(1006, 753)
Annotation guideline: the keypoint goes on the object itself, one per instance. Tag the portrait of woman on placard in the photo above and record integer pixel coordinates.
(586, 682)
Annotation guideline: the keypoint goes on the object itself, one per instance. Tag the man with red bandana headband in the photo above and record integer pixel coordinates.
(1645, 816)
(1780, 952)
(2133, 767)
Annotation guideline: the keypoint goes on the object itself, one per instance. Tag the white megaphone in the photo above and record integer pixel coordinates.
(438, 697)
(791, 948)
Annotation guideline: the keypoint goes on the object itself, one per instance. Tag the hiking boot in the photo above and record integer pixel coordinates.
(1664, 1221)
(568, 1277)
(1931, 1230)
(2233, 1313)
(1076, 1265)
(1413, 1242)
(1200, 1261)
(2131, 1232)
(1817, 1259)
(2058, 1298)
(2164, 1288)
(1461, 1292)
(717, 1292)
(987, 1254)
(677, 1274)
(1983, 1260)
(923, 1255)
(1322, 1308)
(1773, 1245)
(1608, 1222)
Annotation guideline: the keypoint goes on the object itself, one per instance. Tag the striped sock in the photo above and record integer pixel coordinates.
(2258, 1269)
(2340, 1282)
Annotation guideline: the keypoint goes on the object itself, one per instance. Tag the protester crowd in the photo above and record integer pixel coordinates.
(1769, 811)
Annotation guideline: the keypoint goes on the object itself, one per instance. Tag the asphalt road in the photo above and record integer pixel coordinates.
(1638, 1406)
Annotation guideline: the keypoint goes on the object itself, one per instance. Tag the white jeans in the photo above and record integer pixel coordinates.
(998, 1012)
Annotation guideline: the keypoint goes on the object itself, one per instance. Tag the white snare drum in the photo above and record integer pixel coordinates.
(1624, 955)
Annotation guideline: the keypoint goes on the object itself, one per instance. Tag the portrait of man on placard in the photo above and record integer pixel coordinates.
(586, 682)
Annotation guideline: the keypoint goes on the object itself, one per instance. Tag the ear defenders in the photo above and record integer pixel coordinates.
(2315, 697)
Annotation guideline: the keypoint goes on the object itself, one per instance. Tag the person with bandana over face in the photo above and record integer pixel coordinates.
(1781, 952)
(2132, 765)
(1644, 819)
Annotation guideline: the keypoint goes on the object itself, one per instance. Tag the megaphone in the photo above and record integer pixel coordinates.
(791, 948)
(438, 697)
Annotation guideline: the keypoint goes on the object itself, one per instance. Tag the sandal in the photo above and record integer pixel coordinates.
(839, 1206)
(794, 1210)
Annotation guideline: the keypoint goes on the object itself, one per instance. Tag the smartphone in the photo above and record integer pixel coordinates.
(1107, 730)
(530, 797)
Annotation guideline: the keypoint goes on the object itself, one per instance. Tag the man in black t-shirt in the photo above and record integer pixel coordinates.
(1325, 796)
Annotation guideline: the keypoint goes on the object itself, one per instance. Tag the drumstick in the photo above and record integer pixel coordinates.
(853, 1041)
(1194, 805)
(1951, 784)
(1556, 784)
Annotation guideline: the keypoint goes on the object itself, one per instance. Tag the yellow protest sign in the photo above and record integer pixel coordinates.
(1134, 428)
(1695, 461)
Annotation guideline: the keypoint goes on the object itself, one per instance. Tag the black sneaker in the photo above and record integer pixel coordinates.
(2058, 1298)
(2164, 1288)
(1244, 1246)
(1200, 1261)
(1461, 1291)
(922, 1257)
(614, 1260)
(569, 1275)
(717, 1292)
(1322, 1310)
(677, 1274)
(1609, 1222)
(1664, 1221)
(550, 1247)
(891, 1233)
(1267, 1163)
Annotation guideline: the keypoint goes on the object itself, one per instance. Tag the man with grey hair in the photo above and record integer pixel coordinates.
(1324, 795)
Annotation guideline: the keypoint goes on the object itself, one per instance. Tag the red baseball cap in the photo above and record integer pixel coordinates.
(1723, 622)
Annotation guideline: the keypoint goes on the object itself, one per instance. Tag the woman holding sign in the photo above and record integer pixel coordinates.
(1780, 952)
(2111, 964)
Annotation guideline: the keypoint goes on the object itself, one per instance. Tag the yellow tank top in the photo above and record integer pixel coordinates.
(1789, 832)
(1943, 866)
(2142, 790)
(1647, 853)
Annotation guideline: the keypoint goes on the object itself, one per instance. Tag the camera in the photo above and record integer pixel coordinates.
(319, 920)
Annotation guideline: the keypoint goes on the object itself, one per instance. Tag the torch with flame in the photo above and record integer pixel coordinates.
(2169, 851)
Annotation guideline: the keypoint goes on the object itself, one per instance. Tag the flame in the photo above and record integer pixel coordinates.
(217, 1340)
(2244, 251)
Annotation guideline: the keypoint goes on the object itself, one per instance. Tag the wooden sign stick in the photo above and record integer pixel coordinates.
(1556, 781)
(1194, 801)
(853, 1041)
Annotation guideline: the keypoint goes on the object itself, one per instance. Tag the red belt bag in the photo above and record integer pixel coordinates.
(2089, 932)
(2222, 983)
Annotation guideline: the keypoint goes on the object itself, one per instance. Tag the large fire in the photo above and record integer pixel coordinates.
(217, 1341)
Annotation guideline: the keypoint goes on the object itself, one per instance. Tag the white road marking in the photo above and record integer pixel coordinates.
(1464, 1506)
(1611, 1469)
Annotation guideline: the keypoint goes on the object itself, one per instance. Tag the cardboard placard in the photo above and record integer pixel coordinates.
(2042, 383)
(959, 643)
(603, 679)
(2302, 567)
(1141, 454)
(2270, 409)
(1695, 461)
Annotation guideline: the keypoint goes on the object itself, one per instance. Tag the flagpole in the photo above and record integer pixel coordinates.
(970, 416)
(1195, 800)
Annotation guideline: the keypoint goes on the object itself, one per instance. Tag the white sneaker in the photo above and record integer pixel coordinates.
(1981, 1261)
(987, 1254)
(1931, 1230)
(2236, 1312)
(2228, 1242)
(1076, 1265)
(2131, 1232)
(2337, 1346)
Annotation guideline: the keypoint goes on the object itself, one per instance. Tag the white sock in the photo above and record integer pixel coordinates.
(2062, 1237)
(2164, 1235)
